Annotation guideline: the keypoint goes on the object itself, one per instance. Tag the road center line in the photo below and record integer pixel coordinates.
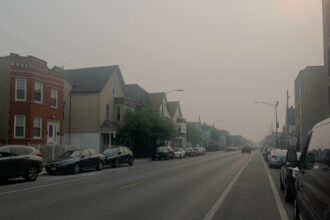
(128, 186)
(217, 205)
(280, 206)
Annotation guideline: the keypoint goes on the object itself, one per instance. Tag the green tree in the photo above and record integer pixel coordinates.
(147, 130)
(194, 136)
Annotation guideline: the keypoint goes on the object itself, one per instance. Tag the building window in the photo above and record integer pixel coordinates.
(19, 126)
(53, 98)
(20, 91)
(37, 124)
(114, 89)
(118, 113)
(107, 111)
(38, 91)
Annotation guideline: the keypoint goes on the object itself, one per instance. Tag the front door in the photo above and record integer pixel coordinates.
(52, 132)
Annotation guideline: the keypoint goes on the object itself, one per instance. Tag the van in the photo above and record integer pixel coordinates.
(313, 182)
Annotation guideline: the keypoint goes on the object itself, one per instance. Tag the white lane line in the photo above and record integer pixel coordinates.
(280, 206)
(217, 205)
(43, 186)
(128, 186)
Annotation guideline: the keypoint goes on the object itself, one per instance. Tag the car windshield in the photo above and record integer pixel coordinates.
(111, 151)
(162, 149)
(72, 153)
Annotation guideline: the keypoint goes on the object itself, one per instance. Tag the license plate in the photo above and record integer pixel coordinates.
(53, 168)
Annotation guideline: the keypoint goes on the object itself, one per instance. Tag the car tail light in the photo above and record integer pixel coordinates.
(39, 154)
(274, 157)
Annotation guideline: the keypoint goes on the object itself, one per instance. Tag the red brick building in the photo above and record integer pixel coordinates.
(31, 101)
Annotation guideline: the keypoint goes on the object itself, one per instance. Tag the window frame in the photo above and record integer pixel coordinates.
(107, 111)
(118, 113)
(56, 92)
(40, 132)
(41, 91)
(15, 125)
(25, 88)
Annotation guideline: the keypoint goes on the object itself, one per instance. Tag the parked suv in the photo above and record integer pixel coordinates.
(20, 161)
(288, 174)
(312, 184)
(118, 155)
(165, 152)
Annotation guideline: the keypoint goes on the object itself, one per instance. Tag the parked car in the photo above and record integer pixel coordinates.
(75, 161)
(164, 152)
(312, 184)
(179, 153)
(269, 149)
(288, 174)
(189, 151)
(276, 158)
(20, 161)
(118, 155)
(246, 150)
(198, 151)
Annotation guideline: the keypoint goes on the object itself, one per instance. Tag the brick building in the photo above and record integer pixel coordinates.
(31, 107)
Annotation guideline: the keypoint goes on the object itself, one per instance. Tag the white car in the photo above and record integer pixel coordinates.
(179, 153)
(276, 157)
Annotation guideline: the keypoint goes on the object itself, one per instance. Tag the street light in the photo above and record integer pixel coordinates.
(175, 90)
(273, 106)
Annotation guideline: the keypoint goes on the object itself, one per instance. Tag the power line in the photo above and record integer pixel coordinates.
(29, 45)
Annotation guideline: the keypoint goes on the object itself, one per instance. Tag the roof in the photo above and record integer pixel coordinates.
(156, 100)
(138, 94)
(172, 107)
(311, 72)
(90, 80)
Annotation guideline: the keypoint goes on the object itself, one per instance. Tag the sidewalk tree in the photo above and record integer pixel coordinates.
(147, 129)
(194, 136)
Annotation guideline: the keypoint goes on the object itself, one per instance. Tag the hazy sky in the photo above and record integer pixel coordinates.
(225, 54)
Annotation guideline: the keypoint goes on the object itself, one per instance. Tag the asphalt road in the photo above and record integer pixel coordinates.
(221, 185)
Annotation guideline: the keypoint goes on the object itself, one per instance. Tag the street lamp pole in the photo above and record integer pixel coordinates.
(175, 90)
(273, 106)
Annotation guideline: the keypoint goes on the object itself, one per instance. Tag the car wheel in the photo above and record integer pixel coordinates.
(116, 164)
(76, 169)
(130, 161)
(31, 173)
(296, 212)
(281, 184)
(100, 165)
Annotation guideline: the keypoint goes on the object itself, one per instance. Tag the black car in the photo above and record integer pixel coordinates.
(118, 155)
(246, 150)
(20, 161)
(75, 161)
(165, 152)
(288, 175)
(312, 184)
